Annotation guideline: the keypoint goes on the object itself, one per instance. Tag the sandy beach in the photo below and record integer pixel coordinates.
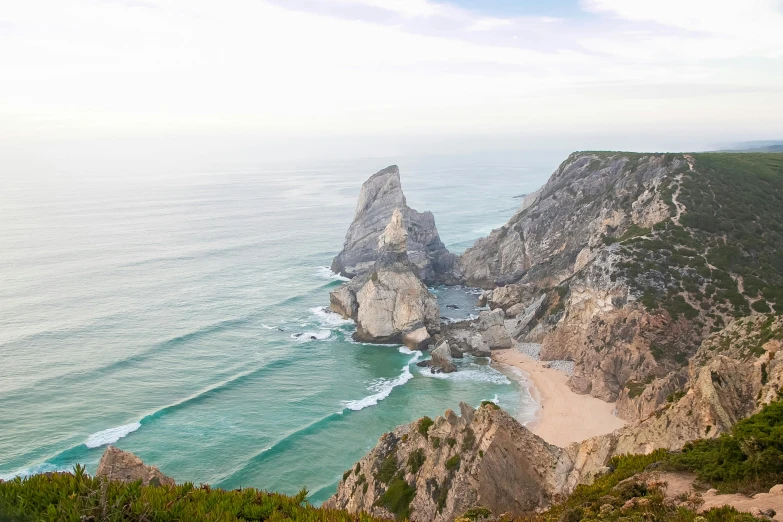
(565, 416)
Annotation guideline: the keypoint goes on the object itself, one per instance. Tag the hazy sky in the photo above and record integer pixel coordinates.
(419, 74)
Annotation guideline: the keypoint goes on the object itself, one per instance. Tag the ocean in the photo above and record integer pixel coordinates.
(182, 317)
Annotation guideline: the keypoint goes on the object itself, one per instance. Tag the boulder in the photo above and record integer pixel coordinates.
(123, 466)
(491, 326)
(441, 358)
(379, 197)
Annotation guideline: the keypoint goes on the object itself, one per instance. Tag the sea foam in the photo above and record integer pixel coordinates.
(326, 273)
(327, 318)
(111, 435)
(384, 387)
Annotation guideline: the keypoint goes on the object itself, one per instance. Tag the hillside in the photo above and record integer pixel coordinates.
(640, 256)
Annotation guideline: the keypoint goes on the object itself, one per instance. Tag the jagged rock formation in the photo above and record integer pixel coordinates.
(378, 198)
(640, 257)
(500, 465)
(389, 303)
(479, 336)
(483, 458)
(124, 466)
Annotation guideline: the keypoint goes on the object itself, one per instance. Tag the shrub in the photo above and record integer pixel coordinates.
(77, 496)
(469, 440)
(416, 460)
(435, 442)
(398, 497)
(424, 425)
(451, 442)
(387, 470)
(453, 463)
(748, 460)
(477, 513)
(490, 404)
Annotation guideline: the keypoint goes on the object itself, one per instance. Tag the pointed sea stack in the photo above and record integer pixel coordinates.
(378, 198)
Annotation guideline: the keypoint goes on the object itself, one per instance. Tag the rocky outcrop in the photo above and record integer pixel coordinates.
(489, 460)
(483, 458)
(590, 196)
(389, 303)
(479, 336)
(442, 360)
(118, 465)
(379, 197)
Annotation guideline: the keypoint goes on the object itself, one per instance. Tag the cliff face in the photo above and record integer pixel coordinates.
(554, 232)
(378, 198)
(639, 257)
(442, 468)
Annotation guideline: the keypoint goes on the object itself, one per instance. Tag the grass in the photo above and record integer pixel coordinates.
(74, 497)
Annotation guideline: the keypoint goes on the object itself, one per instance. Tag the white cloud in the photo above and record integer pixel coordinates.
(96, 67)
(754, 25)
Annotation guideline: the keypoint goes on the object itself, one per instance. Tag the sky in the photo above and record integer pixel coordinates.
(311, 78)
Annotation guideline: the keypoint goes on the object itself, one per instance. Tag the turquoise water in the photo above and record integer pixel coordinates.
(181, 317)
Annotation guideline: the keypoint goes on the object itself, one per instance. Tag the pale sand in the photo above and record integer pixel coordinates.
(565, 416)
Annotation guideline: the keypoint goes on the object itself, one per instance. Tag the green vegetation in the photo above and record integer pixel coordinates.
(451, 442)
(490, 404)
(632, 232)
(723, 259)
(74, 497)
(605, 498)
(416, 460)
(424, 425)
(635, 389)
(435, 442)
(469, 440)
(676, 396)
(748, 460)
(388, 469)
(398, 497)
(477, 513)
(453, 463)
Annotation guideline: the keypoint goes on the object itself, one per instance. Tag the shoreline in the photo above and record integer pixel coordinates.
(563, 417)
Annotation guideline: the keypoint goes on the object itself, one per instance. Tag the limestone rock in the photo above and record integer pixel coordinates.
(390, 304)
(484, 457)
(123, 466)
(492, 327)
(441, 358)
(379, 197)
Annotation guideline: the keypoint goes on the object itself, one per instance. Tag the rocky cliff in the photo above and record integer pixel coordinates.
(637, 258)
(436, 470)
(379, 197)
(389, 303)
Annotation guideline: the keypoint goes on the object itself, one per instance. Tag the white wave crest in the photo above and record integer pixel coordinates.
(111, 435)
(327, 318)
(267, 327)
(471, 373)
(305, 337)
(326, 273)
(384, 387)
